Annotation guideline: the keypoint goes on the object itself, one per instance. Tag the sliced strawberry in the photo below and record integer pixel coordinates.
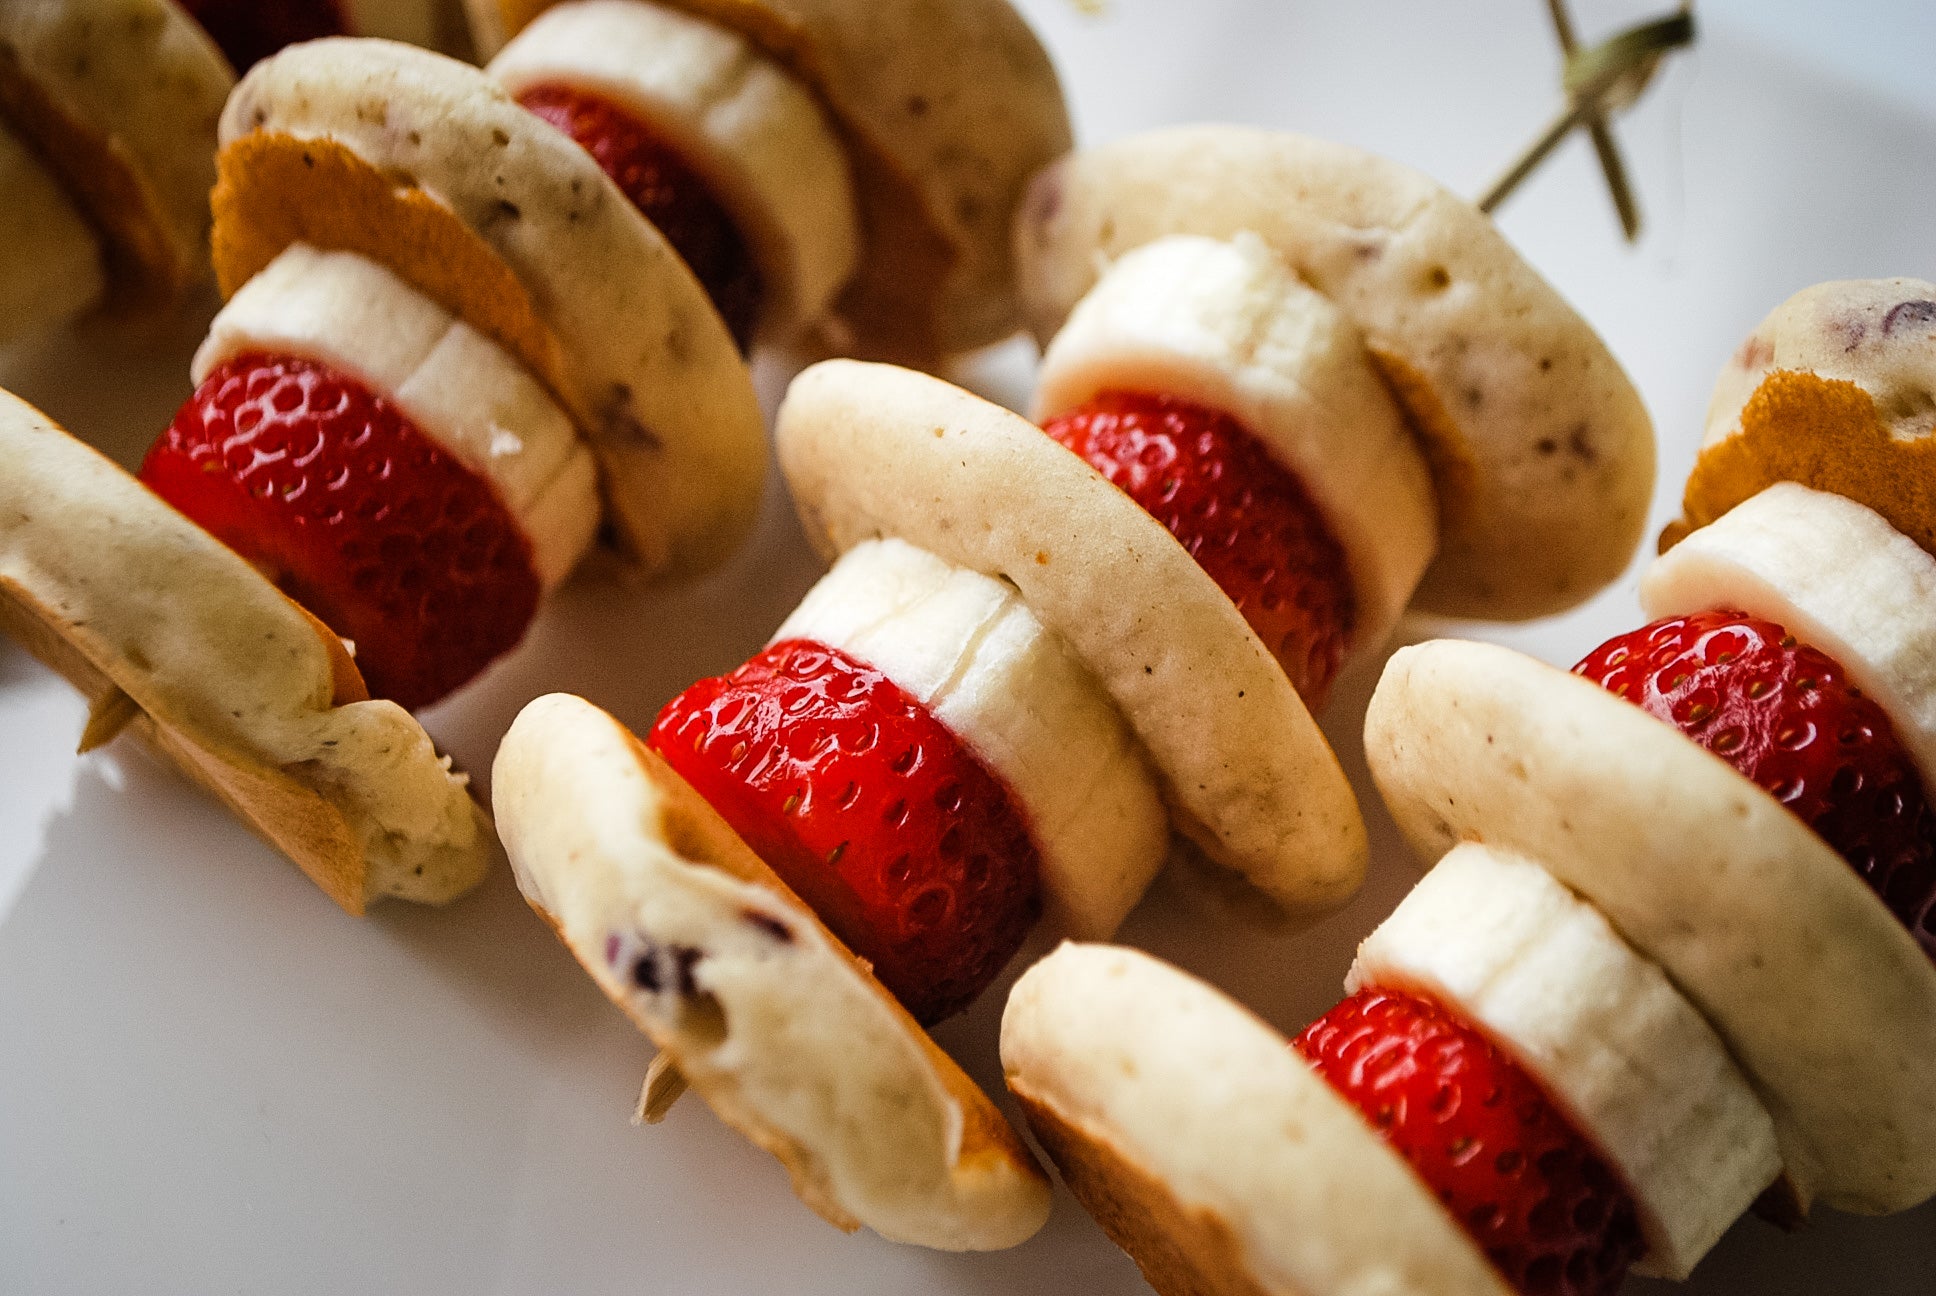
(1534, 1194)
(668, 190)
(358, 515)
(251, 30)
(1789, 719)
(1242, 515)
(908, 848)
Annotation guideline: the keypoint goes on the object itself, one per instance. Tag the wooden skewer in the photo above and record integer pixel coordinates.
(664, 1083)
(1598, 80)
(107, 716)
(1612, 165)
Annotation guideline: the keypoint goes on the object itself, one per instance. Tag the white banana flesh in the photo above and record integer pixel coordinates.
(968, 649)
(459, 387)
(1607, 1035)
(50, 261)
(1835, 575)
(756, 134)
(1229, 325)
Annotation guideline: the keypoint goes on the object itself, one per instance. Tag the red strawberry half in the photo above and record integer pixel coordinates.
(357, 514)
(670, 193)
(1243, 516)
(1787, 717)
(908, 848)
(1534, 1194)
(251, 30)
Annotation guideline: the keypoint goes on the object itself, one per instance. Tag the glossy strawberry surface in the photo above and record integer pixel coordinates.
(357, 514)
(908, 848)
(1789, 719)
(251, 30)
(670, 193)
(1245, 518)
(1534, 1194)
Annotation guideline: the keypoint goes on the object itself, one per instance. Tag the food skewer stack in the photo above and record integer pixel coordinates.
(1288, 391)
(1033, 660)
(1650, 978)
(107, 154)
(457, 346)
(108, 112)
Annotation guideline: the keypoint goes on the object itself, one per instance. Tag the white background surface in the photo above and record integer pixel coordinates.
(212, 1081)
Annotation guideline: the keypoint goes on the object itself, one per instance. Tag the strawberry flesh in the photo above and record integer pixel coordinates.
(1534, 1194)
(668, 191)
(907, 847)
(358, 515)
(1245, 518)
(1789, 719)
(251, 30)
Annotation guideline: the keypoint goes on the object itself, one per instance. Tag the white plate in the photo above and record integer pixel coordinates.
(212, 1081)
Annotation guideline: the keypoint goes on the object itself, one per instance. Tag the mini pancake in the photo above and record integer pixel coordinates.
(1209, 1150)
(428, 167)
(1835, 389)
(119, 99)
(946, 107)
(1541, 451)
(1821, 995)
(1834, 575)
(163, 627)
(872, 451)
(763, 1010)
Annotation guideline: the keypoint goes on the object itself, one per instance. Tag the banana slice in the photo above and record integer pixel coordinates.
(758, 136)
(1227, 324)
(968, 648)
(1836, 576)
(1609, 1037)
(350, 313)
(50, 268)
